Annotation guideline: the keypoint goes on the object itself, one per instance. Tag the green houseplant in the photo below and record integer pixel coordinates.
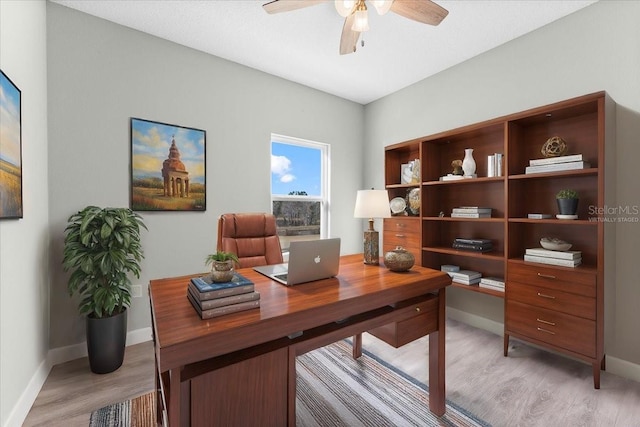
(221, 265)
(102, 247)
(567, 202)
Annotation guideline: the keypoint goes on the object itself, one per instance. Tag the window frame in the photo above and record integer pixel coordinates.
(325, 178)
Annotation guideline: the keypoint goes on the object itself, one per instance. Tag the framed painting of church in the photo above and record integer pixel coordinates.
(10, 149)
(167, 167)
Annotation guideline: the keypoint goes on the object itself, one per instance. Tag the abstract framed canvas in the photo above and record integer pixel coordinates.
(10, 149)
(167, 167)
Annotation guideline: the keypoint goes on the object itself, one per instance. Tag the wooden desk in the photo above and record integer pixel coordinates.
(241, 366)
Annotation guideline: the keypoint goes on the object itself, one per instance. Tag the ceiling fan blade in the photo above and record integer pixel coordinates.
(424, 11)
(277, 6)
(349, 37)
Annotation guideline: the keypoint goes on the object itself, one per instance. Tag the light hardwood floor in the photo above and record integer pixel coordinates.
(531, 387)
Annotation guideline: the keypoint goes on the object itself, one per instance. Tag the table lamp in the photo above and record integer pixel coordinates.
(372, 204)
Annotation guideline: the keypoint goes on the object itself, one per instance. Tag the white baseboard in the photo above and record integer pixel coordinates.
(614, 365)
(54, 357)
(21, 409)
(623, 368)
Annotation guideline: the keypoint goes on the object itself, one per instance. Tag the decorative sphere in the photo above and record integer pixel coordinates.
(399, 259)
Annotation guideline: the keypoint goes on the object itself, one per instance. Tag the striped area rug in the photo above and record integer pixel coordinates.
(333, 389)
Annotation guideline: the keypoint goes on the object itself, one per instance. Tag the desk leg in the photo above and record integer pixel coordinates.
(357, 346)
(437, 361)
(291, 388)
(173, 410)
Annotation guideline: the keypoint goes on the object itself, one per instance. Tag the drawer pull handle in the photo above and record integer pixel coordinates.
(546, 296)
(546, 276)
(418, 309)
(546, 322)
(544, 330)
(399, 225)
(400, 235)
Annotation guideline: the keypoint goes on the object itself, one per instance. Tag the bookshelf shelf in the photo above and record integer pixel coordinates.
(476, 288)
(579, 172)
(584, 123)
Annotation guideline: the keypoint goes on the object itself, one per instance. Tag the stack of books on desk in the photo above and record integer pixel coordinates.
(477, 245)
(495, 283)
(553, 164)
(465, 277)
(547, 256)
(470, 212)
(217, 299)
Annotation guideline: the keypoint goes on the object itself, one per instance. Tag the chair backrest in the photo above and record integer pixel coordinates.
(251, 236)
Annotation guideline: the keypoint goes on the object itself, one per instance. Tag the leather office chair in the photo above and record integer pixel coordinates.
(251, 236)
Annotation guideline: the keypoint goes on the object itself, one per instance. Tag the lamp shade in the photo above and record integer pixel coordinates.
(372, 204)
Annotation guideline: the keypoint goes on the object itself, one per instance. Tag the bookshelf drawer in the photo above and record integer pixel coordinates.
(562, 279)
(403, 232)
(553, 299)
(403, 332)
(546, 326)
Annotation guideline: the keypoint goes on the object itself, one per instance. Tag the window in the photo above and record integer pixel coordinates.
(299, 188)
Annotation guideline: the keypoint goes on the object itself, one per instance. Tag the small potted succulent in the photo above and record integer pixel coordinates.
(567, 202)
(222, 264)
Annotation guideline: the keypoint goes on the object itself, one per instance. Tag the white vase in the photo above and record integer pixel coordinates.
(469, 163)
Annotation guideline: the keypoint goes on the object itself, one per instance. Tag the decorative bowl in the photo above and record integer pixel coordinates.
(399, 259)
(397, 205)
(555, 244)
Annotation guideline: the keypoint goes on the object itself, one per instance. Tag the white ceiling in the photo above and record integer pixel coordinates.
(302, 45)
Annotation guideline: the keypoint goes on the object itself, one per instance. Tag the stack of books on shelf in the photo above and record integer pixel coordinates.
(539, 216)
(554, 164)
(466, 277)
(476, 245)
(495, 283)
(470, 212)
(217, 299)
(547, 256)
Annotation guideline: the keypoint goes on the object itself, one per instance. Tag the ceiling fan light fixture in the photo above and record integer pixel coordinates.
(361, 18)
(382, 6)
(344, 7)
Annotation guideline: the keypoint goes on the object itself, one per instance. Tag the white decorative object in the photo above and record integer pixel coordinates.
(555, 244)
(469, 163)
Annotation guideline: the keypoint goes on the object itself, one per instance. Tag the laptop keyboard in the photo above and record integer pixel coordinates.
(282, 276)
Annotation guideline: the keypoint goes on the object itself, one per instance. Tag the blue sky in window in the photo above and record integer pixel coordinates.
(295, 168)
(150, 147)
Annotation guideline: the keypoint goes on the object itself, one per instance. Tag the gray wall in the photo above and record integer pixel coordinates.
(24, 243)
(597, 48)
(101, 74)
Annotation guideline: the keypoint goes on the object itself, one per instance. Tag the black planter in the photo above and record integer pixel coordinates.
(106, 339)
(567, 206)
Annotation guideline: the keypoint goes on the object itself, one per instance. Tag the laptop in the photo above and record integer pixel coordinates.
(308, 260)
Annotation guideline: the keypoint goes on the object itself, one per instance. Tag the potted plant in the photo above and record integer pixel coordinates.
(567, 202)
(222, 264)
(101, 247)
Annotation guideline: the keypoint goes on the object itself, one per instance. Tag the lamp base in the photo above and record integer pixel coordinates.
(371, 251)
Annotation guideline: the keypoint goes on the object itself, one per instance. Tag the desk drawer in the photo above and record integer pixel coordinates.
(423, 322)
(562, 279)
(553, 299)
(558, 329)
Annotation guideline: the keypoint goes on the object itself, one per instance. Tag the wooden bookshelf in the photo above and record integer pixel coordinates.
(583, 124)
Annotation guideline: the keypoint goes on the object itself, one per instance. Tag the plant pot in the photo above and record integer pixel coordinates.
(106, 340)
(222, 271)
(567, 206)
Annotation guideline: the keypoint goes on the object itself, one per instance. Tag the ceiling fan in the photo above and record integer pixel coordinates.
(355, 12)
